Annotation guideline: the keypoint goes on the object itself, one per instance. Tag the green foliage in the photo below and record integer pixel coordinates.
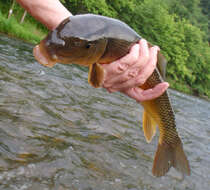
(179, 27)
(18, 11)
(25, 31)
(191, 11)
(181, 42)
(205, 5)
(198, 61)
(167, 23)
(90, 6)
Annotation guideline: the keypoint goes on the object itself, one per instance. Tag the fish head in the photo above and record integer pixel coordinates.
(69, 51)
(63, 46)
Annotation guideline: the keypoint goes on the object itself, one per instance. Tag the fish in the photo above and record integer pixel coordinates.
(91, 40)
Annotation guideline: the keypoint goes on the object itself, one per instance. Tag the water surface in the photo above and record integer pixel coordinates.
(58, 133)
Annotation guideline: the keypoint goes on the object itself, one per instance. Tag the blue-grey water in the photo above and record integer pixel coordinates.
(58, 133)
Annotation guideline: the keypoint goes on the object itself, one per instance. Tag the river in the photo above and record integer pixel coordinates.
(59, 133)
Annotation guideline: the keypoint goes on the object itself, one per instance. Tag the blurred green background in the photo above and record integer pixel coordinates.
(179, 27)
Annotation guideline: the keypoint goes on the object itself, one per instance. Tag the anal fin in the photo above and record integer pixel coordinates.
(149, 127)
(96, 75)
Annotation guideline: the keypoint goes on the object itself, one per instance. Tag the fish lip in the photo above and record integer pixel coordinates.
(42, 56)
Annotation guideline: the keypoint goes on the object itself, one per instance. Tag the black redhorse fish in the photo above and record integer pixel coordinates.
(91, 40)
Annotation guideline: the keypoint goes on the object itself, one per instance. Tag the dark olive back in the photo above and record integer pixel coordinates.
(93, 27)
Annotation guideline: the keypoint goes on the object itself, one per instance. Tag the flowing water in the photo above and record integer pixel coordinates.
(57, 132)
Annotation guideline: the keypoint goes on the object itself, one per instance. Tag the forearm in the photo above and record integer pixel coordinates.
(48, 12)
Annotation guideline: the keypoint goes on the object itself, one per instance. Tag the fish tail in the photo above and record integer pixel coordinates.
(167, 156)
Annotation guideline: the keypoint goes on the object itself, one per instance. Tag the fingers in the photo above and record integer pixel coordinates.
(122, 64)
(116, 72)
(130, 58)
(143, 53)
(148, 68)
(142, 95)
(131, 71)
(137, 74)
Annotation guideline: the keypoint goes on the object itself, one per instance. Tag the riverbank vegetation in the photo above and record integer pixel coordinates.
(179, 27)
(30, 30)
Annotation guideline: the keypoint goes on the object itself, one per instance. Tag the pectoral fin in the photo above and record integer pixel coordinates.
(96, 75)
(149, 127)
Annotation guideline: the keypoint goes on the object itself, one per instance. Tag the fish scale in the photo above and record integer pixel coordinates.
(91, 40)
(168, 128)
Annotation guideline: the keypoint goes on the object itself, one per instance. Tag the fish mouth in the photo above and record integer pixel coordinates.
(42, 56)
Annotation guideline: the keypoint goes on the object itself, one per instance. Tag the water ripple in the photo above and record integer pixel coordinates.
(57, 132)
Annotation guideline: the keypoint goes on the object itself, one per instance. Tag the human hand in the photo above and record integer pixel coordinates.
(131, 71)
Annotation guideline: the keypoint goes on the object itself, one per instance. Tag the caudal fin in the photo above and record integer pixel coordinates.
(167, 157)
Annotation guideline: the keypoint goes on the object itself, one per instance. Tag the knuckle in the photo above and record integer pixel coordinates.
(121, 67)
(133, 73)
(126, 77)
(119, 70)
(140, 80)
